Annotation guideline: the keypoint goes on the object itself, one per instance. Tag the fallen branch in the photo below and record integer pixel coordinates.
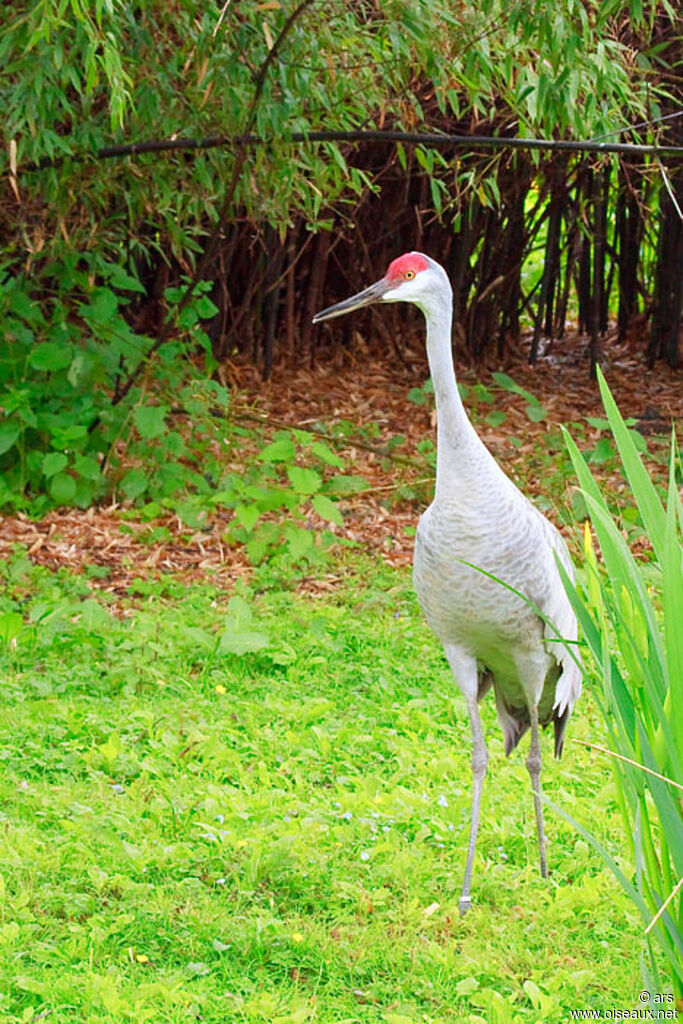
(472, 142)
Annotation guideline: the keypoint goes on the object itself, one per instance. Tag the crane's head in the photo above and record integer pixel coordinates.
(412, 277)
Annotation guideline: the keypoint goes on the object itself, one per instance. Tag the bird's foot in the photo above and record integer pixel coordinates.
(464, 905)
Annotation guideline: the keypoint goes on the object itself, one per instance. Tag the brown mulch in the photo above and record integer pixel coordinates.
(72, 538)
(365, 389)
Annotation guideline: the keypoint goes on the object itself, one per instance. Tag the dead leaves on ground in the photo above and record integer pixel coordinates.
(370, 392)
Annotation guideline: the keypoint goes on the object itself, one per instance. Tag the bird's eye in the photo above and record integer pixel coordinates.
(409, 275)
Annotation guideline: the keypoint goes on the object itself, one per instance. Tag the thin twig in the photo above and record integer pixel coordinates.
(664, 905)
(667, 183)
(343, 442)
(636, 764)
(220, 18)
(634, 127)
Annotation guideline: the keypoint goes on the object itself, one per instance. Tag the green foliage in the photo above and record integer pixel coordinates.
(75, 268)
(64, 431)
(422, 395)
(255, 809)
(67, 439)
(74, 86)
(534, 410)
(631, 618)
(274, 494)
(480, 393)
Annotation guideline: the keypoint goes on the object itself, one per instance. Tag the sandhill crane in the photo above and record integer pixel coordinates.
(485, 568)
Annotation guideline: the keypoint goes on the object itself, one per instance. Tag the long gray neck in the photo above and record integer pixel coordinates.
(457, 441)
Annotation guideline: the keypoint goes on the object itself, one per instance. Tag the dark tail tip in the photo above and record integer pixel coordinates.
(513, 735)
(560, 726)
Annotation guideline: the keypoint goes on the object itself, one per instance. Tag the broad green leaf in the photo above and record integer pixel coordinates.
(247, 515)
(279, 451)
(299, 540)
(325, 454)
(102, 308)
(266, 499)
(9, 433)
(496, 418)
(346, 484)
(11, 625)
(205, 307)
(315, 709)
(63, 488)
(88, 467)
(112, 747)
(239, 635)
(120, 278)
(327, 509)
(417, 396)
(533, 992)
(150, 420)
(134, 483)
(603, 450)
(305, 481)
(536, 413)
(466, 986)
(505, 381)
(50, 357)
(54, 462)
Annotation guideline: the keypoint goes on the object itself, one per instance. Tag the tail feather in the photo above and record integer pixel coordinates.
(514, 722)
(514, 735)
(560, 726)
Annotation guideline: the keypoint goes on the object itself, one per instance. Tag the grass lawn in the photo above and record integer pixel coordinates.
(191, 833)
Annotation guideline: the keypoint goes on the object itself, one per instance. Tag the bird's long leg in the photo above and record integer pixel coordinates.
(534, 765)
(480, 759)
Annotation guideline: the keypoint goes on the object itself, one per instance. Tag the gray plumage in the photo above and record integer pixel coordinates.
(481, 549)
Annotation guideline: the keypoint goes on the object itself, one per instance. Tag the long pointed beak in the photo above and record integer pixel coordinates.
(369, 295)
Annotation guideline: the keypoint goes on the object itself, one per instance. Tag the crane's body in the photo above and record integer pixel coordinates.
(485, 563)
(464, 551)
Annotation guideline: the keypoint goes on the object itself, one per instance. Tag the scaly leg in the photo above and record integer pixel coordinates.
(479, 761)
(534, 765)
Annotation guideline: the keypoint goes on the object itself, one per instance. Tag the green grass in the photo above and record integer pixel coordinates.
(280, 836)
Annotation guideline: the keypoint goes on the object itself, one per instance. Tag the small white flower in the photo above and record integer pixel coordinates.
(442, 801)
(365, 855)
(347, 815)
(220, 881)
